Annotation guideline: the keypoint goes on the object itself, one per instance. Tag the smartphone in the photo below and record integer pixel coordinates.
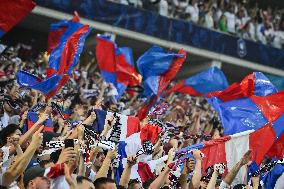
(69, 143)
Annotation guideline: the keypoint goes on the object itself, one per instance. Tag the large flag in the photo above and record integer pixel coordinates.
(116, 64)
(275, 178)
(158, 68)
(243, 106)
(230, 149)
(129, 124)
(277, 149)
(12, 12)
(212, 79)
(131, 146)
(62, 61)
(56, 32)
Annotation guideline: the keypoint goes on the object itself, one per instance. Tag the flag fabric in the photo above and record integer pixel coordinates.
(254, 84)
(26, 79)
(33, 117)
(56, 32)
(158, 68)
(116, 64)
(245, 106)
(212, 79)
(277, 149)
(130, 147)
(129, 124)
(12, 12)
(230, 149)
(62, 61)
(275, 178)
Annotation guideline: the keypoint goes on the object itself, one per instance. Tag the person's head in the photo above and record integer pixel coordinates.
(240, 186)
(134, 184)
(99, 159)
(34, 178)
(104, 183)
(10, 133)
(84, 183)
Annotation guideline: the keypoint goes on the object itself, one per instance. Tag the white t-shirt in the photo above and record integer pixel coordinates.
(163, 8)
(231, 21)
(194, 12)
(209, 22)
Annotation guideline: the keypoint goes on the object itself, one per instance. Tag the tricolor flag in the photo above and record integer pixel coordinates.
(129, 124)
(212, 79)
(246, 106)
(275, 178)
(12, 12)
(158, 68)
(116, 64)
(230, 149)
(277, 149)
(130, 146)
(33, 117)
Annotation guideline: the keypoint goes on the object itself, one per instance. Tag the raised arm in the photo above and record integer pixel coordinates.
(125, 177)
(18, 167)
(195, 182)
(106, 164)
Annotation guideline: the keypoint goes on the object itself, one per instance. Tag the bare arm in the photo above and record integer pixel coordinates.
(22, 162)
(160, 180)
(212, 182)
(195, 182)
(125, 177)
(106, 164)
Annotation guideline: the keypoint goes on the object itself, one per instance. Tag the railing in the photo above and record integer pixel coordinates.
(150, 23)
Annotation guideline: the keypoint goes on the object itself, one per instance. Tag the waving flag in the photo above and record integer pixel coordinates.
(56, 32)
(212, 79)
(62, 61)
(275, 178)
(254, 84)
(33, 118)
(158, 68)
(223, 150)
(242, 106)
(116, 64)
(26, 79)
(130, 124)
(130, 147)
(12, 12)
(277, 149)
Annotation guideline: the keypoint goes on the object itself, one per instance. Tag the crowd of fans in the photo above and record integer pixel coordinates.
(234, 17)
(24, 165)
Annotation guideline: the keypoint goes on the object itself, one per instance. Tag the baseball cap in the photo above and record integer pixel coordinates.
(32, 173)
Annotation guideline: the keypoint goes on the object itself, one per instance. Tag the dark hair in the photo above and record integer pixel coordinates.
(239, 186)
(103, 180)
(120, 187)
(148, 183)
(54, 156)
(80, 179)
(8, 131)
(132, 183)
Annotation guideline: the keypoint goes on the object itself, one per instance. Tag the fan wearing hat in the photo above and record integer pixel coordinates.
(34, 178)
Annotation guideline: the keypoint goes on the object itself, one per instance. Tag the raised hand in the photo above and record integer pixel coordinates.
(37, 137)
(67, 154)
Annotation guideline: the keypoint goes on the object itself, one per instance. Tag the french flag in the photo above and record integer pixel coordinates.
(212, 79)
(116, 64)
(158, 68)
(129, 124)
(248, 105)
(275, 178)
(130, 146)
(12, 12)
(32, 118)
(230, 149)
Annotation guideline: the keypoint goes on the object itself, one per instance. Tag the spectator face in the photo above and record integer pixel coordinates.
(136, 186)
(108, 186)
(100, 159)
(86, 185)
(39, 183)
(15, 136)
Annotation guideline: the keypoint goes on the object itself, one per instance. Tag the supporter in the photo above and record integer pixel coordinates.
(231, 19)
(164, 8)
(223, 24)
(104, 182)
